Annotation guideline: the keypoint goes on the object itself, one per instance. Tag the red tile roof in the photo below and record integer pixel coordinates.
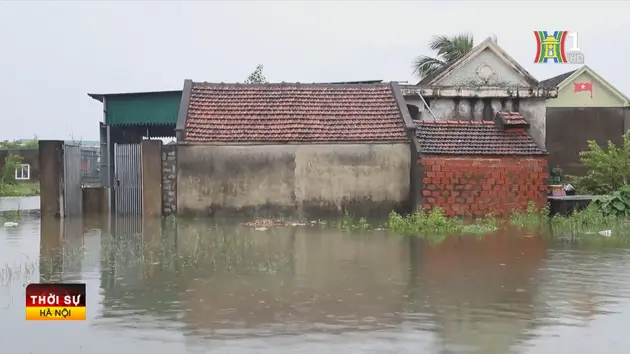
(473, 138)
(293, 112)
(509, 119)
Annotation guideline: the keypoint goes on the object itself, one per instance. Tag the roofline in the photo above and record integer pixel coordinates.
(479, 91)
(99, 96)
(487, 43)
(180, 127)
(603, 81)
(321, 84)
(545, 81)
(410, 127)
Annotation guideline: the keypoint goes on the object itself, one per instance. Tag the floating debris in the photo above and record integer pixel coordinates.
(10, 224)
(606, 233)
(261, 229)
(267, 223)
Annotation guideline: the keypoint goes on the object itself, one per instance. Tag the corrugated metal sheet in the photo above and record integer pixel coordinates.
(143, 109)
(72, 191)
(128, 184)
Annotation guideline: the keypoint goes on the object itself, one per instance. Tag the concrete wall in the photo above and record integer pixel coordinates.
(570, 129)
(95, 201)
(467, 108)
(313, 180)
(29, 156)
(479, 185)
(169, 180)
(51, 181)
(151, 178)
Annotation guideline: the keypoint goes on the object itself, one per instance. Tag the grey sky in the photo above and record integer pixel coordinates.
(53, 53)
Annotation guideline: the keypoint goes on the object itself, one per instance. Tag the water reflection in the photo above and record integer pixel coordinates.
(192, 285)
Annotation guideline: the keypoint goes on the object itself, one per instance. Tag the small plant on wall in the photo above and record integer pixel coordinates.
(556, 175)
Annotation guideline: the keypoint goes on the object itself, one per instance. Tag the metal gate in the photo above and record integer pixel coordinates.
(128, 182)
(72, 191)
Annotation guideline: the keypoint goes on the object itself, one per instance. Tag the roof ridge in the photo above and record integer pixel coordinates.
(322, 84)
(456, 122)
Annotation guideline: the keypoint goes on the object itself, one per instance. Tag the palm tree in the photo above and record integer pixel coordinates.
(448, 50)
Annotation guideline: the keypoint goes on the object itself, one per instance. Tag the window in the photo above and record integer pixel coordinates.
(23, 172)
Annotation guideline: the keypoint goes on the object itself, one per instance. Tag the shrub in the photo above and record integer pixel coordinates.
(11, 162)
(617, 203)
(608, 169)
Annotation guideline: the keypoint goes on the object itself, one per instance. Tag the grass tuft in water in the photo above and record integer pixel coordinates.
(532, 217)
(435, 222)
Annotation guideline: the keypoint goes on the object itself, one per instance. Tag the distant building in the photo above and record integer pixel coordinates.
(28, 171)
(587, 108)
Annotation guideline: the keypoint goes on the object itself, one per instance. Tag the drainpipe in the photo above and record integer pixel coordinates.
(427, 106)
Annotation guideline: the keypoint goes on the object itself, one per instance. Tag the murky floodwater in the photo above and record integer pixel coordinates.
(196, 287)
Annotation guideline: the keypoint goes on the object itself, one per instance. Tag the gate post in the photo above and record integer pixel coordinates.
(151, 178)
(51, 162)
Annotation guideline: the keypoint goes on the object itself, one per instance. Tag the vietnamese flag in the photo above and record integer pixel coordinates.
(583, 86)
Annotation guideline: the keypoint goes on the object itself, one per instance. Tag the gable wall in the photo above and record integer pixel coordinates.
(602, 96)
(504, 74)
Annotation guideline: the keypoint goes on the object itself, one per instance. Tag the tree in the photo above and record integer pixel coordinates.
(257, 76)
(448, 50)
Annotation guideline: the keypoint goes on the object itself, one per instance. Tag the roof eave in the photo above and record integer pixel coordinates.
(180, 127)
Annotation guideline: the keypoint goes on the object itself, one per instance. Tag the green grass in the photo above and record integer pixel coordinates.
(25, 189)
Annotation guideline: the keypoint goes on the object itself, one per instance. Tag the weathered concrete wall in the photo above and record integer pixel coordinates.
(169, 180)
(51, 181)
(486, 68)
(569, 130)
(313, 180)
(95, 201)
(479, 185)
(467, 108)
(151, 177)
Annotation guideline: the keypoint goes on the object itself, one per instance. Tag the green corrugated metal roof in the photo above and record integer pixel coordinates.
(142, 108)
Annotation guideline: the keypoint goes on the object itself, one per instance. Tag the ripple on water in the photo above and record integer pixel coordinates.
(322, 290)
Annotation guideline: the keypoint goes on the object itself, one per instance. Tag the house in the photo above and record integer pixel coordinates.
(477, 86)
(476, 167)
(291, 148)
(28, 171)
(587, 108)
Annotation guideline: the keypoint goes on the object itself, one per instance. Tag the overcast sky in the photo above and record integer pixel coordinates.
(53, 53)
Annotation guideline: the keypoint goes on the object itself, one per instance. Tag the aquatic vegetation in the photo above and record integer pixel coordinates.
(349, 223)
(18, 272)
(435, 222)
(532, 217)
(589, 221)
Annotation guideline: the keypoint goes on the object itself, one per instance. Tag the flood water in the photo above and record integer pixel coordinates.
(196, 287)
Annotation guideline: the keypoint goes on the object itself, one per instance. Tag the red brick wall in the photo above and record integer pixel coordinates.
(478, 185)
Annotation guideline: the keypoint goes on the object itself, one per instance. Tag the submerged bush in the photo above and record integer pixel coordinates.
(435, 222)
